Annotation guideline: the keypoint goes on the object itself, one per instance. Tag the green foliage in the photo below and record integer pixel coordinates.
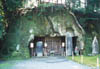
(92, 5)
(13, 4)
(1, 30)
(46, 5)
(88, 45)
(20, 54)
(2, 20)
(5, 65)
(87, 60)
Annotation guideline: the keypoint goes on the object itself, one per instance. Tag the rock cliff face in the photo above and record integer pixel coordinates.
(38, 22)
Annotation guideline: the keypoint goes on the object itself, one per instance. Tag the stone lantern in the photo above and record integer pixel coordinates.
(31, 45)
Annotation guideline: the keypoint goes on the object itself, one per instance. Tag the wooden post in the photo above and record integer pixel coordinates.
(39, 2)
(82, 59)
(32, 52)
(61, 1)
(52, 6)
(97, 62)
(72, 55)
(57, 1)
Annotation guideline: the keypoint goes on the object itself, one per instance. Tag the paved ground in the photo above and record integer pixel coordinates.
(46, 63)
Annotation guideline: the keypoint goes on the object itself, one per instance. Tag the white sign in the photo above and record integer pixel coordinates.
(63, 44)
(45, 44)
(17, 47)
(55, 1)
(31, 45)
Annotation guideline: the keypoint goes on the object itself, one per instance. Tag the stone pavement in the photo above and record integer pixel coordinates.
(47, 63)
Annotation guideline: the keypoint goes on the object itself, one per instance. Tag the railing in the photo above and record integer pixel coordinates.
(53, 1)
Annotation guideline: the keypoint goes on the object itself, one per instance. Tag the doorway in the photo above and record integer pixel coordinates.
(71, 45)
(39, 48)
(54, 46)
(74, 42)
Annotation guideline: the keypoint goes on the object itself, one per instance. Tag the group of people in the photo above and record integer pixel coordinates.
(79, 48)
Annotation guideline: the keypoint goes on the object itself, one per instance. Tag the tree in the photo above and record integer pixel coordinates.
(92, 5)
(2, 21)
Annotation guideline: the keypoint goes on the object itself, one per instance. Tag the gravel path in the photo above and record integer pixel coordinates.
(46, 63)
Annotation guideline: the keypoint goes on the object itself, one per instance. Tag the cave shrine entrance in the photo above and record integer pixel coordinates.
(48, 46)
(52, 46)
